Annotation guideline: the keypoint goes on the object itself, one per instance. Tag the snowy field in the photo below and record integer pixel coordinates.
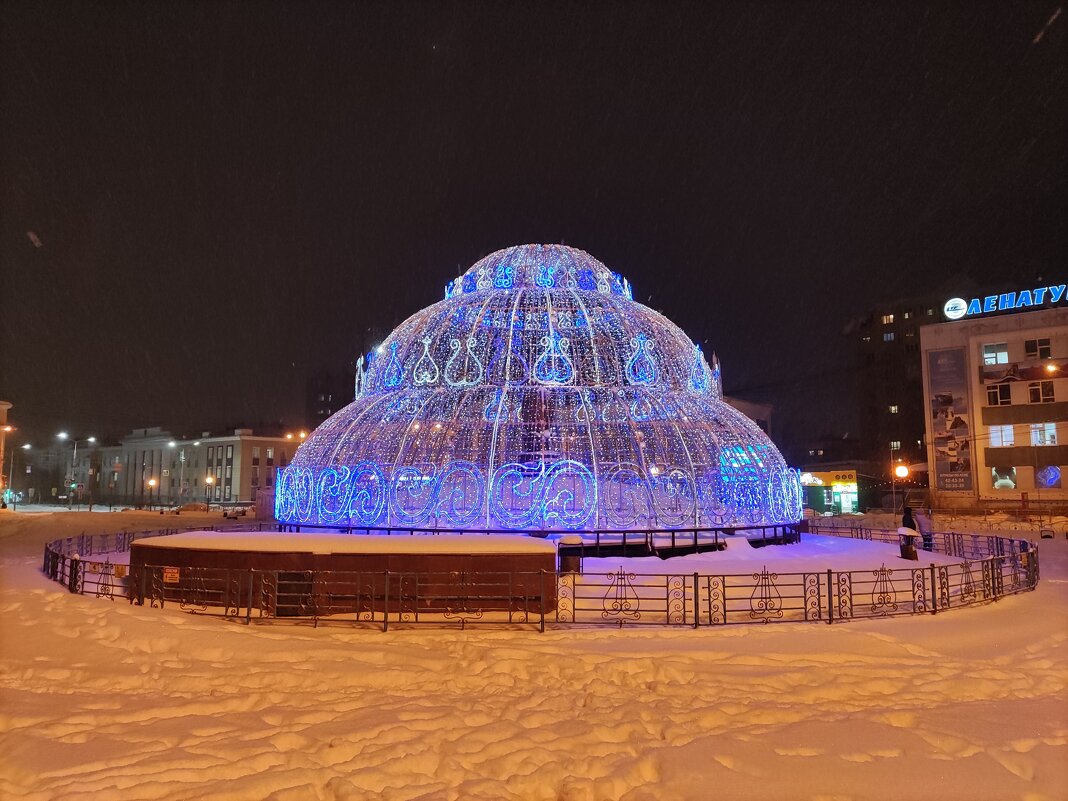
(103, 700)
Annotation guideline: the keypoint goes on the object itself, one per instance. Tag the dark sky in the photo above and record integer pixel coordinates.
(203, 203)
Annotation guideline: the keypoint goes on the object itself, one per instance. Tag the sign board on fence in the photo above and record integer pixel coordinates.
(170, 575)
(120, 571)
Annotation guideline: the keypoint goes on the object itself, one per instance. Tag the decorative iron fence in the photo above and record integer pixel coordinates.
(991, 567)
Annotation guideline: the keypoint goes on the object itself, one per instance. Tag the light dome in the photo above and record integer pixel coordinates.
(538, 395)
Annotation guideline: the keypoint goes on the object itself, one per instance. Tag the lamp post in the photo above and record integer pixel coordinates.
(207, 492)
(73, 483)
(151, 486)
(900, 471)
(11, 474)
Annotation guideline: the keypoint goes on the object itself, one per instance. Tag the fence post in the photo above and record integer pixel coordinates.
(696, 603)
(385, 605)
(251, 584)
(830, 597)
(542, 604)
(934, 591)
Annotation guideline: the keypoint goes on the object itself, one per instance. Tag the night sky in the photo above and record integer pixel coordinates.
(204, 203)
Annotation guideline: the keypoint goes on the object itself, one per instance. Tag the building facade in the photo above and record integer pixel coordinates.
(150, 466)
(995, 389)
(889, 381)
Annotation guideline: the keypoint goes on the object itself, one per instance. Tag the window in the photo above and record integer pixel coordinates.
(227, 492)
(997, 353)
(270, 477)
(1001, 437)
(893, 409)
(270, 456)
(895, 445)
(888, 336)
(1037, 348)
(255, 476)
(229, 471)
(887, 319)
(930, 312)
(255, 455)
(907, 315)
(229, 451)
(211, 454)
(1043, 434)
(999, 395)
(866, 339)
(1040, 392)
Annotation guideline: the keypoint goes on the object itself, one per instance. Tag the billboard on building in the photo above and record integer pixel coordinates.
(950, 426)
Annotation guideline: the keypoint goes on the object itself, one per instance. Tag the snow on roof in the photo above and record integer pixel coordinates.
(277, 542)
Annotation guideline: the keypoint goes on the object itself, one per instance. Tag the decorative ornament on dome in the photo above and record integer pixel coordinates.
(426, 369)
(553, 367)
(641, 369)
(393, 373)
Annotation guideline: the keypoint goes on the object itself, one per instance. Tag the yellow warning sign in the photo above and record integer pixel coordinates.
(170, 575)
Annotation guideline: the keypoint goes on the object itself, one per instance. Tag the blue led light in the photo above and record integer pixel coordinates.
(538, 395)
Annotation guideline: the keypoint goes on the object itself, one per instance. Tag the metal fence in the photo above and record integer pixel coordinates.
(990, 567)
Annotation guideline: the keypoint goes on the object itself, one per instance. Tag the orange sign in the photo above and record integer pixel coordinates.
(170, 575)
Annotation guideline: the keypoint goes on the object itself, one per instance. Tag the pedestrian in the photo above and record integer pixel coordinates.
(923, 525)
(907, 521)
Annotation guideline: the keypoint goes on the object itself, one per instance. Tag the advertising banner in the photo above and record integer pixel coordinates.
(1044, 370)
(947, 370)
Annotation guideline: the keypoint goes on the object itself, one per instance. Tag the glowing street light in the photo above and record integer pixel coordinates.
(63, 435)
(899, 471)
(207, 492)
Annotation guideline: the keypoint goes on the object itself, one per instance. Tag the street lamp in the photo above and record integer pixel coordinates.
(900, 471)
(73, 483)
(151, 486)
(207, 492)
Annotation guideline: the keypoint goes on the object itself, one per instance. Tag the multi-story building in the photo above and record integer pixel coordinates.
(889, 381)
(326, 392)
(151, 466)
(995, 388)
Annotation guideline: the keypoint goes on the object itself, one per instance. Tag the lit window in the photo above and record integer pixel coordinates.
(997, 353)
(999, 395)
(255, 455)
(907, 315)
(1040, 392)
(1043, 434)
(893, 410)
(888, 336)
(1001, 437)
(887, 319)
(895, 445)
(1037, 348)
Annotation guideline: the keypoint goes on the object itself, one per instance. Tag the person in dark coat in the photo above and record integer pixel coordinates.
(907, 521)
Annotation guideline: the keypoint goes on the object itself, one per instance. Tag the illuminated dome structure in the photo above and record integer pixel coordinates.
(538, 395)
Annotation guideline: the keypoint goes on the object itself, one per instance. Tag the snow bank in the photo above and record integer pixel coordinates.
(100, 699)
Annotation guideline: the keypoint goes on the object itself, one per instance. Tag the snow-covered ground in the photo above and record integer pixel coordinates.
(100, 699)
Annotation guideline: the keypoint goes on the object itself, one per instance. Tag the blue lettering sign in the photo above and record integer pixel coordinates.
(954, 309)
